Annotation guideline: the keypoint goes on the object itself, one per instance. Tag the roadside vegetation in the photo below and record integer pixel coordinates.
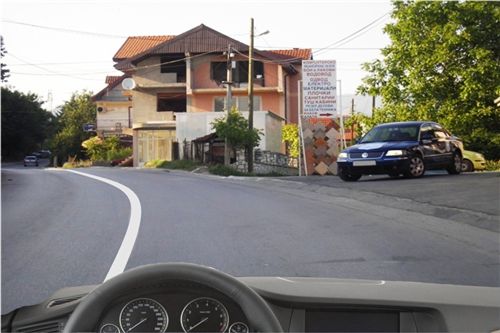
(215, 169)
(74, 163)
(187, 165)
(107, 150)
(492, 165)
(26, 125)
(442, 65)
(290, 136)
(71, 118)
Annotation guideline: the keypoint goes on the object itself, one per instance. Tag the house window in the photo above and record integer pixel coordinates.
(171, 102)
(218, 71)
(174, 64)
(240, 102)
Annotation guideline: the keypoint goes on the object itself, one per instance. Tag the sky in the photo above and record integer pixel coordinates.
(58, 47)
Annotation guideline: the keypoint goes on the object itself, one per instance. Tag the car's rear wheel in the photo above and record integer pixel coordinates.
(456, 164)
(347, 176)
(416, 167)
(467, 166)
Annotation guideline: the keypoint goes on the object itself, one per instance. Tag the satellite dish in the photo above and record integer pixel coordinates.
(128, 84)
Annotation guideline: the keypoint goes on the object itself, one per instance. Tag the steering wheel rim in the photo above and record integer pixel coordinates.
(86, 315)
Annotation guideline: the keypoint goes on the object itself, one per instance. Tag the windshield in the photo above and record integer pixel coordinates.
(145, 144)
(388, 133)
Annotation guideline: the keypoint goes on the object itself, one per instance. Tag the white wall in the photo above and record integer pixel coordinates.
(190, 126)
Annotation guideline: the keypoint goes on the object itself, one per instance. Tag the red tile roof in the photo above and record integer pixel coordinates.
(112, 79)
(302, 54)
(137, 44)
(198, 40)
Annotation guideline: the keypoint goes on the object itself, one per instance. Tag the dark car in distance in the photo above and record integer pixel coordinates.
(403, 148)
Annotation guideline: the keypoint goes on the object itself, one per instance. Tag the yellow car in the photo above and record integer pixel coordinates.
(472, 161)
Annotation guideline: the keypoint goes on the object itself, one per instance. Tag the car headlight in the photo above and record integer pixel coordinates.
(342, 155)
(395, 153)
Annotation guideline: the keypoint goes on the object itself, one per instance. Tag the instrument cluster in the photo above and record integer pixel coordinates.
(174, 311)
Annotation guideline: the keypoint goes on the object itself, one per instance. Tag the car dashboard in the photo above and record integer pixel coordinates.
(300, 304)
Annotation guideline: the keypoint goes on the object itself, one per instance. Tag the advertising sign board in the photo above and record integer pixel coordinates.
(319, 88)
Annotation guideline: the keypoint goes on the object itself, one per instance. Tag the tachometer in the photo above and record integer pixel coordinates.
(143, 315)
(109, 328)
(204, 315)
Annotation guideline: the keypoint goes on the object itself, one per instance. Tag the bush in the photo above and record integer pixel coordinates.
(234, 128)
(492, 165)
(119, 154)
(290, 135)
(155, 164)
(107, 149)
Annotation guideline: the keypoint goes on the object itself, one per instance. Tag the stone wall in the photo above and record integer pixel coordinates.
(266, 162)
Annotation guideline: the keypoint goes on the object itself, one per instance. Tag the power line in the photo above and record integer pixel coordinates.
(356, 33)
(98, 34)
(322, 48)
(51, 72)
(61, 63)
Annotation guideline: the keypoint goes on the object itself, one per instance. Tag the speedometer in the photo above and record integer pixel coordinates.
(204, 315)
(143, 315)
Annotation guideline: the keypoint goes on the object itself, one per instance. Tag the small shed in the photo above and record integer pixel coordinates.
(208, 149)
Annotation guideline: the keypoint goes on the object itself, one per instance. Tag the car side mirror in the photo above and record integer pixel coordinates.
(426, 141)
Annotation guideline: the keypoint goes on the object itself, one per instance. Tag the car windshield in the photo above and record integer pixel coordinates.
(386, 133)
(162, 135)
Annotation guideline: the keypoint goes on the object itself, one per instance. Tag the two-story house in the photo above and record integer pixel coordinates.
(180, 88)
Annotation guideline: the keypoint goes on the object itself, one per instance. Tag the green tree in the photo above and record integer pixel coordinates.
(443, 64)
(5, 73)
(25, 124)
(75, 113)
(234, 128)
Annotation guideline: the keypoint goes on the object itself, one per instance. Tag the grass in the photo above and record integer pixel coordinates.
(77, 164)
(173, 165)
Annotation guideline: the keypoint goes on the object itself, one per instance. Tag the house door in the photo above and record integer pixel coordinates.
(154, 145)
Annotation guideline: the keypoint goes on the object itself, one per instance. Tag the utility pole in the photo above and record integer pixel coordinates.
(250, 96)
(373, 104)
(229, 102)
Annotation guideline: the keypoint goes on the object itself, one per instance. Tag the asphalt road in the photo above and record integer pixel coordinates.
(60, 229)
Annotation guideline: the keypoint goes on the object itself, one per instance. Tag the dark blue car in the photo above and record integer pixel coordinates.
(404, 148)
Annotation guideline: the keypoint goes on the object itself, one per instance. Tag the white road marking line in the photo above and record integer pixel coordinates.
(134, 223)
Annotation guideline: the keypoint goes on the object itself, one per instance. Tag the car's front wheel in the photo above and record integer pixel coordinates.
(347, 176)
(456, 164)
(416, 167)
(467, 166)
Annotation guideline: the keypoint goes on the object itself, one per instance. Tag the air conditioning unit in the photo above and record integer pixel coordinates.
(101, 109)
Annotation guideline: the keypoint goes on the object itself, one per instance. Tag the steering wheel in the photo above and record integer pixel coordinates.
(88, 312)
